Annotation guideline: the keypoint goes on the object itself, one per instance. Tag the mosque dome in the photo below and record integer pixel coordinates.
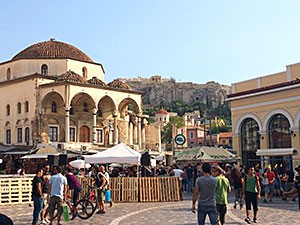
(72, 77)
(52, 50)
(117, 83)
(97, 82)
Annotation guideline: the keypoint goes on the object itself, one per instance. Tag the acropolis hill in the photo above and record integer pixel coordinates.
(157, 89)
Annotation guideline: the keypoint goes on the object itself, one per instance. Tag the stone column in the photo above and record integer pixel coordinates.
(115, 137)
(130, 133)
(143, 133)
(94, 126)
(67, 124)
(139, 132)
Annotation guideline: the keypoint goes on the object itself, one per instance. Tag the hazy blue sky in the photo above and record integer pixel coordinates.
(190, 40)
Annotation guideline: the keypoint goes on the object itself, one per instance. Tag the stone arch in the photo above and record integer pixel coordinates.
(270, 114)
(123, 106)
(82, 103)
(49, 99)
(242, 118)
(106, 107)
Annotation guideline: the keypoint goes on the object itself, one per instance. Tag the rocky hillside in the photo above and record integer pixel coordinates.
(157, 90)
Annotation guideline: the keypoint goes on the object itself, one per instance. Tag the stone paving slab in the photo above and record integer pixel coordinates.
(163, 213)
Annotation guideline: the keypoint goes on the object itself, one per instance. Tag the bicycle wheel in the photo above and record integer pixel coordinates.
(85, 209)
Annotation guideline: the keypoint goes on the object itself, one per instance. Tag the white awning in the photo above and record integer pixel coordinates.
(276, 152)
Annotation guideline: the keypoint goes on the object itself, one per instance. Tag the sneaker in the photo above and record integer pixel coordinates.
(111, 203)
(254, 220)
(247, 220)
(43, 222)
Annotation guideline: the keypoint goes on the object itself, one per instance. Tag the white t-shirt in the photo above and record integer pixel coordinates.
(177, 173)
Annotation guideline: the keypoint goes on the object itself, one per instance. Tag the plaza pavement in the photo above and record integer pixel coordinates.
(163, 213)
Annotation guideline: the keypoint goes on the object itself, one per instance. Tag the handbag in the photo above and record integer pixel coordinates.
(66, 212)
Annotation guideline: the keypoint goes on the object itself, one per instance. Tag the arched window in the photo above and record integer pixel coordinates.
(44, 69)
(26, 108)
(84, 72)
(8, 110)
(8, 74)
(85, 107)
(71, 110)
(53, 107)
(279, 132)
(250, 142)
(19, 108)
(27, 135)
(99, 113)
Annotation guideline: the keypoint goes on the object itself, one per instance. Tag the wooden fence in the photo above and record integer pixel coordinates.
(126, 189)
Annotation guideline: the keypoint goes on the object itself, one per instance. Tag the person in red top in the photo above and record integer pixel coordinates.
(271, 179)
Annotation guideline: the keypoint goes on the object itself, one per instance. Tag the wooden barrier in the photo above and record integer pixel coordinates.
(123, 189)
(15, 190)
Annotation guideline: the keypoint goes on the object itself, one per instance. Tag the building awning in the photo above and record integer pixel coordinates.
(276, 152)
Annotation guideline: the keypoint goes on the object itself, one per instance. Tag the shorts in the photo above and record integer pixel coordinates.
(46, 199)
(251, 198)
(100, 195)
(266, 188)
(55, 202)
(271, 188)
(222, 209)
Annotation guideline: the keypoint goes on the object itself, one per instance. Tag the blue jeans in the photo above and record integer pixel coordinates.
(189, 185)
(212, 213)
(37, 208)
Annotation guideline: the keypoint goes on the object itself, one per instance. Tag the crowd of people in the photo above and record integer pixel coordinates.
(50, 187)
(213, 183)
(209, 184)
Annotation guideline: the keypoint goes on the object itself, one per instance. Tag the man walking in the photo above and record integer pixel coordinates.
(58, 193)
(223, 187)
(101, 184)
(251, 192)
(37, 196)
(204, 192)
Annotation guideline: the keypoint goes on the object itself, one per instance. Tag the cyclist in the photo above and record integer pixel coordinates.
(73, 184)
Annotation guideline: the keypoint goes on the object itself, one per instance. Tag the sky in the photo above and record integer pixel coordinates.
(225, 41)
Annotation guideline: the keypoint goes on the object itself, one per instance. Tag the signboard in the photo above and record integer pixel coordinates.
(180, 139)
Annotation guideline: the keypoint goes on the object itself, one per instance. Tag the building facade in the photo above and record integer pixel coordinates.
(52, 92)
(265, 118)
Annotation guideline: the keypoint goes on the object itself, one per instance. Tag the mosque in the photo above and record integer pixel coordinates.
(52, 92)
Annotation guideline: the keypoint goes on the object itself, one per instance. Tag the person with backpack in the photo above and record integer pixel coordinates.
(100, 183)
(251, 193)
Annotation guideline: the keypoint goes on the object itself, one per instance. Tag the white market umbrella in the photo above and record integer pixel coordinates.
(79, 163)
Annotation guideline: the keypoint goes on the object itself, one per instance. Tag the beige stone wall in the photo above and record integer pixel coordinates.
(152, 136)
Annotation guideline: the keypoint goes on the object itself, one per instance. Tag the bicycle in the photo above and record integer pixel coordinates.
(84, 209)
(91, 195)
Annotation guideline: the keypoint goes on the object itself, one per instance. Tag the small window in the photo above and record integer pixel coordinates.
(85, 107)
(53, 107)
(53, 133)
(44, 69)
(72, 134)
(8, 110)
(8, 136)
(26, 108)
(19, 137)
(8, 74)
(99, 113)
(19, 108)
(84, 72)
(71, 110)
(192, 135)
(99, 136)
(27, 135)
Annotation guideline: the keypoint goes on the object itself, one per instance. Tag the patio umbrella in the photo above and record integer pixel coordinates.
(79, 163)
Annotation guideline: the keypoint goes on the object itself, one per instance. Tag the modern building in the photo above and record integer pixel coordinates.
(265, 118)
(52, 92)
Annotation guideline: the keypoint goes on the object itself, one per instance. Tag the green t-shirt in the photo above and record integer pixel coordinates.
(221, 190)
(251, 184)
